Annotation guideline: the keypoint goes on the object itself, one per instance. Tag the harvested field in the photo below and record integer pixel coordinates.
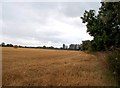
(44, 67)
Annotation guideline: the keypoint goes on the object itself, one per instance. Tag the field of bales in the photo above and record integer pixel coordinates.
(43, 67)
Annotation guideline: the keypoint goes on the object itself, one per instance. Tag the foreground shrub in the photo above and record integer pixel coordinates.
(114, 64)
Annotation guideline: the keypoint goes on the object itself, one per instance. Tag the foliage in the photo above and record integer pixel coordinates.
(9, 45)
(105, 29)
(44, 47)
(6, 45)
(105, 26)
(15, 46)
(85, 44)
(2, 44)
(114, 64)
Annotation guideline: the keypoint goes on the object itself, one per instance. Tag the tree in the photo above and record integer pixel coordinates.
(105, 26)
(44, 46)
(3, 44)
(9, 45)
(85, 45)
(63, 46)
(15, 46)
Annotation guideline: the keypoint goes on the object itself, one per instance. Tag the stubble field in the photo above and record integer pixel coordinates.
(42, 67)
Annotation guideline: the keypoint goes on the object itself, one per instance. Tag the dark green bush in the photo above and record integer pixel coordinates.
(114, 64)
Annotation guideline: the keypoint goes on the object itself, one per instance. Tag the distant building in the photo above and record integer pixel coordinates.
(77, 46)
(74, 46)
(65, 46)
(71, 46)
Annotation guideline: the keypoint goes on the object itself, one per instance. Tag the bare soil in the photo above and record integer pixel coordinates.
(43, 67)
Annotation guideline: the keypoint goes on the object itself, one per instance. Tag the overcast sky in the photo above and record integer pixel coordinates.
(44, 23)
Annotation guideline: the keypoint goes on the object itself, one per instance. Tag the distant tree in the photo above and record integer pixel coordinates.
(9, 45)
(3, 44)
(15, 46)
(63, 46)
(44, 46)
(51, 47)
(20, 46)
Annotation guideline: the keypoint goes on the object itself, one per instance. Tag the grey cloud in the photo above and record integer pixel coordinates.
(74, 9)
(45, 22)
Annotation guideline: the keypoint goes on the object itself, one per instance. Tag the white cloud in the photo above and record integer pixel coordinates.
(0, 21)
(52, 0)
(41, 24)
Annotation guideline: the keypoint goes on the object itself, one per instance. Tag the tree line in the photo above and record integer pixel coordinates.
(37, 47)
(105, 29)
(19, 46)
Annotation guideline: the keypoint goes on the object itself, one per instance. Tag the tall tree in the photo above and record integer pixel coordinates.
(105, 26)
